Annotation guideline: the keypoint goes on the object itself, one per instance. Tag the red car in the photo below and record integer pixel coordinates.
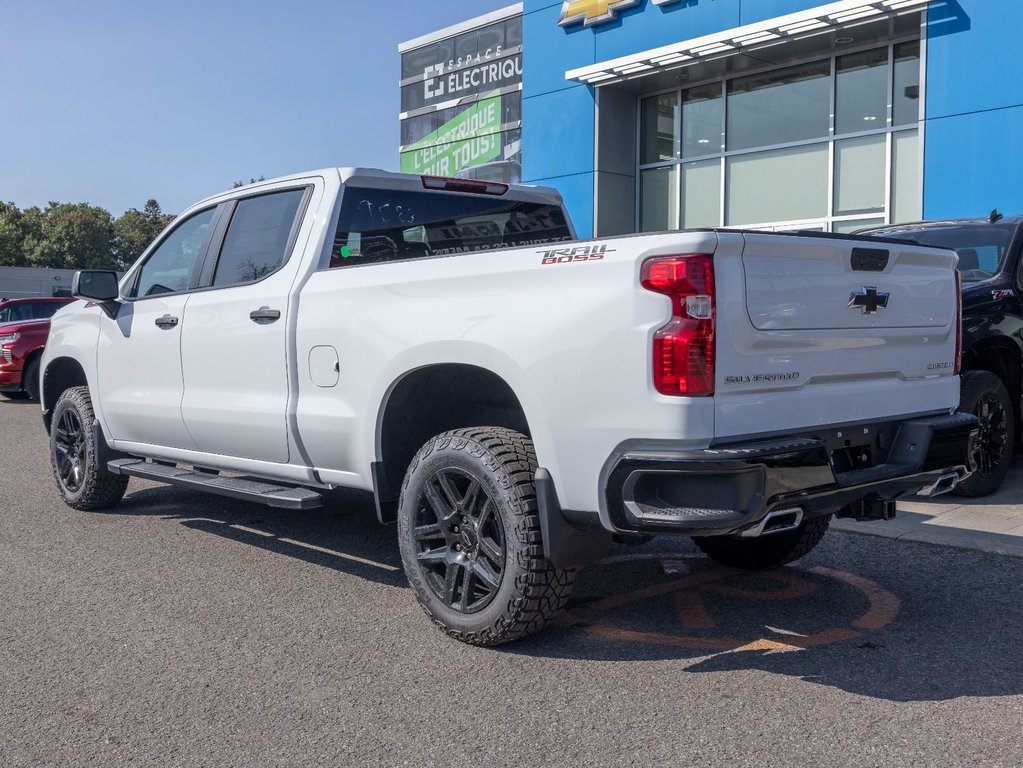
(24, 326)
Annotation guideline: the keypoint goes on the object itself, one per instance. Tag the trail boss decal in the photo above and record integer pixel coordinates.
(1003, 293)
(579, 253)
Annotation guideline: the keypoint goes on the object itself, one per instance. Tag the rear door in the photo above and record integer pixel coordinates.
(829, 330)
(235, 340)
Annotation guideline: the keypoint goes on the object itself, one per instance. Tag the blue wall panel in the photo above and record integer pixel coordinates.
(578, 194)
(973, 56)
(974, 163)
(973, 146)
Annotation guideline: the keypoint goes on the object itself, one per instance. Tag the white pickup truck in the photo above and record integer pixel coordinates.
(513, 397)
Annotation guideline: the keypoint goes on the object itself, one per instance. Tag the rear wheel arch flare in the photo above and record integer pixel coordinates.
(1004, 360)
(427, 401)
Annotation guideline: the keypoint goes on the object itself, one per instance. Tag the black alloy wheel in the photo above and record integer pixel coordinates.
(992, 441)
(986, 397)
(460, 541)
(75, 450)
(70, 451)
(471, 540)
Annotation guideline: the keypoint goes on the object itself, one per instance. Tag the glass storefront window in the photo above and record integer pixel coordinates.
(854, 225)
(780, 185)
(659, 139)
(701, 194)
(702, 113)
(859, 175)
(779, 107)
(906, 104)
(659, 199)
(827, 143)
(861, 91)
(906, 192)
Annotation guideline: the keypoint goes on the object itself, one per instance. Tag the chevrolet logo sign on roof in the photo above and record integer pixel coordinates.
(591, 12)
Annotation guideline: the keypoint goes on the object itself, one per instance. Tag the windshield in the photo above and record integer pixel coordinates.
(981, 247)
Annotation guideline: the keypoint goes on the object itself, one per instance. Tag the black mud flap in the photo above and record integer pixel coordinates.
(565, 544)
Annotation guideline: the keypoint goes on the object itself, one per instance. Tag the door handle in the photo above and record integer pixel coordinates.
(167, 321)
(265, 315)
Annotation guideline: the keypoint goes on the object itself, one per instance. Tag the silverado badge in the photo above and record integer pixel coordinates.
(869, 300)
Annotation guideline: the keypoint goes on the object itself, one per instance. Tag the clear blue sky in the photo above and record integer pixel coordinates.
(112, 102)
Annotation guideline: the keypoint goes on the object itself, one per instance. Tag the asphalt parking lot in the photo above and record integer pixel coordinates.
(184, 630)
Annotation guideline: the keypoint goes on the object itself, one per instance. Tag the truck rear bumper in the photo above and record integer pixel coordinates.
(734, 489)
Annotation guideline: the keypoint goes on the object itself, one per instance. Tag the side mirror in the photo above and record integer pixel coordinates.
(95, 286)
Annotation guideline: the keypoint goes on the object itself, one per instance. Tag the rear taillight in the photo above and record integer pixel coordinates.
(959, 323)
(684, 348)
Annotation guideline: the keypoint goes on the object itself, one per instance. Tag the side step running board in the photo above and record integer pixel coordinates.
(276, 496)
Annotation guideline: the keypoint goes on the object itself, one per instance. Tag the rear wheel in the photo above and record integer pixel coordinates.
(470, 537)
(82, 481)
(766, 551)
(984, 395)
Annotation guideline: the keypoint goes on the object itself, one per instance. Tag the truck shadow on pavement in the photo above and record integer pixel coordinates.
(880, 618)
(889, 620)
(344, 535)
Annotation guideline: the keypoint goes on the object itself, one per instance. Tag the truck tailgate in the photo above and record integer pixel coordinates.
(830, 331)
(808, 284)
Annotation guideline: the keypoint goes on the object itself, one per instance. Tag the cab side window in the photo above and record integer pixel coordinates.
(44, 310)
(170, 268)
(257, 240)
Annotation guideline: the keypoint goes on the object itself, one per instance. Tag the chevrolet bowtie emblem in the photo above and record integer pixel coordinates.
(591, 12)
(869, 300)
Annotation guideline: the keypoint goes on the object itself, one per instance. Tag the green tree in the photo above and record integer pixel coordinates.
(135, 230)
(251, 181)
(73, 236)
(12, 238)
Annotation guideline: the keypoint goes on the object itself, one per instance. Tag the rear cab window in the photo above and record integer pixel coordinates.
(257, 238)
(379, 225)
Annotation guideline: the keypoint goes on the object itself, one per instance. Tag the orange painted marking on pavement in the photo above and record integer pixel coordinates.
(884, 606)
(795, 588)
(692, 611)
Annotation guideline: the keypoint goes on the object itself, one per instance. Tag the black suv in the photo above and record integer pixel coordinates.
(989, 264)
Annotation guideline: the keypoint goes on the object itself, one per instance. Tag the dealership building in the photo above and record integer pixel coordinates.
(767, 114)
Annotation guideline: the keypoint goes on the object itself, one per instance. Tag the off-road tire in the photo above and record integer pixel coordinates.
(98, 487)
(531, 591)
(766, 551)
(30, 379)
(978, 388)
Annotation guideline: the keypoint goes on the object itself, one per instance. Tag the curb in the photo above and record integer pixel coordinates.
(958, 538)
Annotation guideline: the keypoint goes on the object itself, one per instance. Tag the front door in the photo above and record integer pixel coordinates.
(139, 353)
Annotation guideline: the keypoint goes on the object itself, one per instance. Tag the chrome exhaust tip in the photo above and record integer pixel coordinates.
(944, 484)
(776, 521)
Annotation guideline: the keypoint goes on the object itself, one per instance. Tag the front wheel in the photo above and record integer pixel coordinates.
(82, 481)
(470, 537)
(984, 395)
(767, 551)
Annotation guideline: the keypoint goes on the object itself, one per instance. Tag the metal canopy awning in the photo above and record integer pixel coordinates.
(796, 26)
